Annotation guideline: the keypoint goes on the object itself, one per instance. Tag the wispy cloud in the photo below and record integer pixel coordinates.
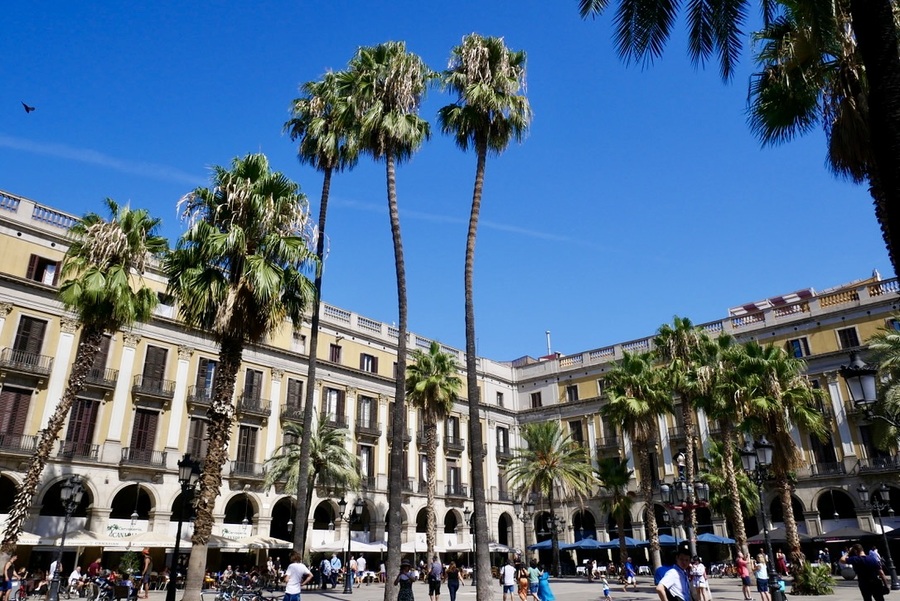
(93, 157)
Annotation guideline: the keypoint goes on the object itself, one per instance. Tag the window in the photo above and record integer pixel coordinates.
(368, 363)
(535, 400)
(197, 443)
(253, 384)
(892, 324)
(45, 271)
(29, 339)
(206, 372)
(423, 468)
(298, 342)
(502, 489)
(798, 347)
(166, 305)
(98, 367)
(500, 399)
(452, 429)
(246, 447)
(143, 434)
(154, 365)
(366, 462)
(454, 478)
(395, 372)
(848, 338)
(601, 388)
(572, 393)
(367, 412)
(502, 439)
(333, 405)
(80, 433)
(576, 432)
(294, 393)
(14, 403)
(334, 353)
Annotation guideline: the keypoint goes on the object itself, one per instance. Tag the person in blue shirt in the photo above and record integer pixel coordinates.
(869, 575)
(630, 576)
(675, 584)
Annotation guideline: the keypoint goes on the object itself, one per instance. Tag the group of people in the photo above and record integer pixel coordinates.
(527, 581)
(687, 580)
(356, 569)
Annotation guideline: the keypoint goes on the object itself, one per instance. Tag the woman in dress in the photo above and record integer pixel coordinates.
(781, 562)
(453, 581)
(544, 591)
(698, 579)
(522, 575)
(405, 580)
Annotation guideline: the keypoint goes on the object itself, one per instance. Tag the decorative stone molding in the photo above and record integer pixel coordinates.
(130, 339)
(351, 391)
(68, 325)
(5, 309)
(277, 374)
(185, 352)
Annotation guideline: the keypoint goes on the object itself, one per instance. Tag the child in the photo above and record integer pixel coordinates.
(606, 595)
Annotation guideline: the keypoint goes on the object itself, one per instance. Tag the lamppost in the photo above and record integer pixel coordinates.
(685, 496)
(351, 517)
(188, 476)
(879, 505)
(861, 381)
(524, 513)
(70, 493)
(555, 525)
(756, 459)
(467, 514)
(675, 519)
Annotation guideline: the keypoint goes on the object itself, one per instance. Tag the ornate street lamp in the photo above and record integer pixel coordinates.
(683, 496)
(757, 459)
(861, 380)
(70, 493)
(673, 518)
(467, 515)
(351, 516)
(524, 513)
(879, 505)
(188, 476)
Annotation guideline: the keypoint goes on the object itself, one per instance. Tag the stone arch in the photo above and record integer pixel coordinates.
(282, 522)
(835, 504)
(584, 524)
(422, 520)
(52, 505)
(132, 499)
(776, 511)
(8, 487)
(505, 529)
(240, 507)
(612, 526)
(324, 515)
(453, 520)
(183, 503)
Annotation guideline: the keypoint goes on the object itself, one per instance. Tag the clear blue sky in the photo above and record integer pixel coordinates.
(639, 194)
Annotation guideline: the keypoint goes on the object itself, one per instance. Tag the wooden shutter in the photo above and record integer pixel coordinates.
(197, 443)
(33, 261)
(80, 433)
(246, 451)
(155, 363)
(253, 384)
(143, 432)
(294, 392)
(339, 412)
(30, 335)
(100, 361)
(14, 403)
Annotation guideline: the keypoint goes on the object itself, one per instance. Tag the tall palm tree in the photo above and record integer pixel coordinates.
(715, 27)
(552, 464)
(386, 85)
(330, 461)
(432, 386)
(884, 352)
(721, 500)
(637, 398)
(613, 474)
(102, 285)
(678, 346)
(779, 398)
(237, 273)
(323, 122)
(488, 80)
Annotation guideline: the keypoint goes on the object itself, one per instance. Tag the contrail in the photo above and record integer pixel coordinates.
(93, 157)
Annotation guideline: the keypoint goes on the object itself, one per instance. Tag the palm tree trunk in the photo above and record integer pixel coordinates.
(647, 494)
(221, 415)
(737, 514)
(430, 460)
(554, 538)
(395, 496)
(876, 37)
(484, 589)
(301, 517)
(88, 346)
(690, 516)
(791, 535)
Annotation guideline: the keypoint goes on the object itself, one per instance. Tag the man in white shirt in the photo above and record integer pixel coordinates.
(295, 577)
(361, 569)
(508, 580)
(675, 584)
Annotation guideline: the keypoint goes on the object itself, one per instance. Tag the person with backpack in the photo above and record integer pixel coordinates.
(675, 585)
(325, 573)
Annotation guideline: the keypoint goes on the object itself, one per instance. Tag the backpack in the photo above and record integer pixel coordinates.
(326, 567)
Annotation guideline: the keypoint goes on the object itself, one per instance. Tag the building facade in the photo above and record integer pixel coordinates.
(145, 406)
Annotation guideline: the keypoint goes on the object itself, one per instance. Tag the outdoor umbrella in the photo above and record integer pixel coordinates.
(544, 544)
(709, 537)
(629, 542)
(667, 540)
(776, 535)
(585, 544)
(847, 533)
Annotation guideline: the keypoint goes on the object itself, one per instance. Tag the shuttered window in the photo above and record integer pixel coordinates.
(30, 335)
(333, 404)
(246, 449)
(197, 443)
(80, 433)
(253, 384)
(294, 393)
(155, 363)
(206, 372)
(102, 357)
(143, 432)
(14, 404)
(367, 414)
(41, 269)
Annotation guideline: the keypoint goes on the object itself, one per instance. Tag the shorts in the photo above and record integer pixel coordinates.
(508, 589)
(291, 597)
(630, 580)
(762, 586)
(745, 580)
(434, 588)
(6, 585)
(533, 588)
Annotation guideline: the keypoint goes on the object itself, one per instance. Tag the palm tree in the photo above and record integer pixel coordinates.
(637, 399)
(102, 285)
(490, 110)
(432, 386)
(552, 464)
(330, 461)
(323, 123)
(237, 274)
(386, 85)
(716, 28)
(678, 347)
(884, 351)
(614, 475)
(780, 397)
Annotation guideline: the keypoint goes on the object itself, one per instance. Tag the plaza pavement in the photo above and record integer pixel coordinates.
(566, 589)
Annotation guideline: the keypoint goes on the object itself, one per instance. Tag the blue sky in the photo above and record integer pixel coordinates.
(639, 194)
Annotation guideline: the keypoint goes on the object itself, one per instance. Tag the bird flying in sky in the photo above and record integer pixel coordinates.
(28, 109)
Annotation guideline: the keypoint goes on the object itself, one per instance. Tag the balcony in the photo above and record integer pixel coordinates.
(292, 413)
(676, 433)
(456, 490)
(153, 392)
(246, 469)
(454, 444)
(821, 470)
(408, 485)
(102, 378)
(869, 465)
(367, 482)
(337, 421)
(78, 450)
(199, 396)
(18, 443)
(504, 454)
(143, 457)
(423, 487)
(252, 406)
(503, 495)
(608, 443)
(29, 364)
(405, 438)
(368, 429)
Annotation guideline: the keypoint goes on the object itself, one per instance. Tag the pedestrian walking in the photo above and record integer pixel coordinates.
(453, 580)
(405, 581)
(761, 573)
(508, 580)
(295, 577)
(869, 576)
